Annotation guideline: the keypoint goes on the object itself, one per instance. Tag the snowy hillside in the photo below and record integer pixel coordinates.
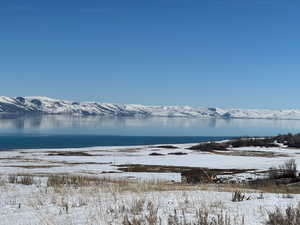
(45, 105)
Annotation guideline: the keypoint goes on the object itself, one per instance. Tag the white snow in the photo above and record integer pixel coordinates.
(108, 159)
(48, 105)
(38, 204)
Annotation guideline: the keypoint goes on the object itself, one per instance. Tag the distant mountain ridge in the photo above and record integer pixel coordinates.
(45, 105)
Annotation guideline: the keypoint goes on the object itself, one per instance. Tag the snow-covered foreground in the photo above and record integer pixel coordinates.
(113, 200)
(38, 204)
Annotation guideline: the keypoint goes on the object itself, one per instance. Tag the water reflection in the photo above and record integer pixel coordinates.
(153, 126)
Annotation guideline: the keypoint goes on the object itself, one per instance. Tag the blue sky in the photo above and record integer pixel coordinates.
(226, 53)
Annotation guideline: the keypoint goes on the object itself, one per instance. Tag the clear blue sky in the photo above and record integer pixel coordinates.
(226, 53)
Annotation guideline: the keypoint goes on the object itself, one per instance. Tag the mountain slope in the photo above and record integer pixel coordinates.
(45, 105)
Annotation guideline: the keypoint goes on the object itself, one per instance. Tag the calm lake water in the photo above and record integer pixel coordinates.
(69, 131)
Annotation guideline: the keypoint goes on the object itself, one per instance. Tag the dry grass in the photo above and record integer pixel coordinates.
(33, 166)
(289, 216)
(25, 180)
(263, 154)
(104, 197)
(68, 153)
(201, 217)
(117, 184)
(287, 170)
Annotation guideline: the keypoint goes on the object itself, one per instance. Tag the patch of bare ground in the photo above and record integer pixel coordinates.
(32, 166)
(192, 175)
(68, 153)
(177, 153)
(175, 169)
(12, 158)
(129, 150)
(167, 146)
(25, 160)
(120, 184)
(195, 178)
(251, 153)
(156, 154)
(86, 163)
(210, 147)
(235, 143)
(155, 150)
(27, 152)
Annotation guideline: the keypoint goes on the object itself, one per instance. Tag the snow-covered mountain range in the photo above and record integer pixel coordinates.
(45, 105)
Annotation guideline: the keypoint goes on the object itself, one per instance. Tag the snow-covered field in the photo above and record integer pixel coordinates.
(38, 204)
(111, 202)
(100, 161)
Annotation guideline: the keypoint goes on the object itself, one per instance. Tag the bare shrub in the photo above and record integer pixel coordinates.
(210, 147)
(195, 176)
(137, 206)
(26, 180)
(292, 141)
(152, 217)
(82, 181)
(56, 180)
(257, 142)
(203, 218)
(13, 179)
(287, 170)
(134, 221)
(289, 216)
(238, 196)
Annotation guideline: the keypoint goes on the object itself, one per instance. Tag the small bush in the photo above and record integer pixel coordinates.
(289, 168)
(292, 141)
(286, 170)
(289, 216)
(56, 180)
(156, 154)
(26, 180)
(238, 196)
(210, 147)
(198, 176)
(137, 206)
(13, 179)
(257, 142)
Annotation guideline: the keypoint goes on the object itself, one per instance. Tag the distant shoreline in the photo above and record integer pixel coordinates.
(49, 106)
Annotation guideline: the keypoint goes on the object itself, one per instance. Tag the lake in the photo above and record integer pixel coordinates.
(68, 131)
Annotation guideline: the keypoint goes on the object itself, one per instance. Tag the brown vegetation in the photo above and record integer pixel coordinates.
(167, 146)
(177, 153)
(292, 141)
(25, 180)
(210, 147)
(69, 153)
(255, 142)
(238, 196)
(156, 154)
(289, 216)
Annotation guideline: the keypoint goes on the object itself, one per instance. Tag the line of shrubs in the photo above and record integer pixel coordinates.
(290, 140)
(235, 143)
